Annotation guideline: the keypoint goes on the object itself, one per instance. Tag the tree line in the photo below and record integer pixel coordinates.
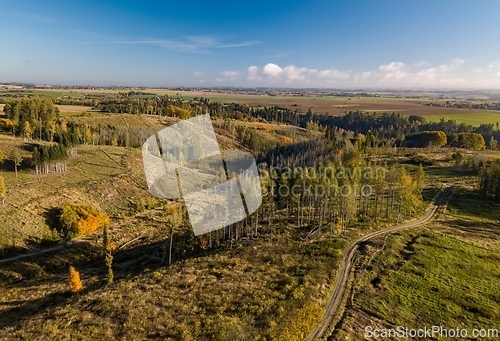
(50, 159)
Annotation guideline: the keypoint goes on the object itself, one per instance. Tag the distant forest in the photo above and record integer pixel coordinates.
(35, 117)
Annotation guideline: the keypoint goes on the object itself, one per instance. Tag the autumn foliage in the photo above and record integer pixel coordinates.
(75, 283)
(262, 127)
(3, 190)
(300, 324)
(79, 220)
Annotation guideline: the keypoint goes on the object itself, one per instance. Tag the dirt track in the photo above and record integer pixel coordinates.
(335, 300)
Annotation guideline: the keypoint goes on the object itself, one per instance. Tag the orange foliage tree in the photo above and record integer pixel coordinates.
(80, 220)
(75, 283)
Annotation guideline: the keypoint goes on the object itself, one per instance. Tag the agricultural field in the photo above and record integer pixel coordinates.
(339, 105)
(473, 117)
(331, 105)
(69, 110)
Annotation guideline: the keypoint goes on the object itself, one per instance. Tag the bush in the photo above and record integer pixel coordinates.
(228, 329)
(300, 324)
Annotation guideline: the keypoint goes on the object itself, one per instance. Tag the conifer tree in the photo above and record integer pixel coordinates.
(109, 248)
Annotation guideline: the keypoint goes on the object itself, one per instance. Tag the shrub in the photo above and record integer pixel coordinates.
(228, 329)
(300, 324)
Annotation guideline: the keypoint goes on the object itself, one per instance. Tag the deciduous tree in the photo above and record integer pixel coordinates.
(75, 283)
(3, 190)
(16, 157)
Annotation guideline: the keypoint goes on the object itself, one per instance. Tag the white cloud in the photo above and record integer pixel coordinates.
(422, 63)
(392, 67)
(396, 74)
(193, 44)
(242, 44)
(494, 65)
(253, 73)
(293, 73)
(366, 74)
(333, 74)
(230, 73)
(272, 70)
(198, 74)
(219, 79)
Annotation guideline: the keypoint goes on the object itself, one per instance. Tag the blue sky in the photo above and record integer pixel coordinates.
(348, 44)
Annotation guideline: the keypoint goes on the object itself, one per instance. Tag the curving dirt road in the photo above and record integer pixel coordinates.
(337, 296)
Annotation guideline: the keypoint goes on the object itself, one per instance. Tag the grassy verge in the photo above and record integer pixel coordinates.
(429, 279)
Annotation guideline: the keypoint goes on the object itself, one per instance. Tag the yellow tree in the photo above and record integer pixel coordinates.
(79, 220)
(75, 283)
(27, 130)
(3, 190)
(409, 194)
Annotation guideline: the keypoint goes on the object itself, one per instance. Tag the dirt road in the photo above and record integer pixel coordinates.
(337, 296)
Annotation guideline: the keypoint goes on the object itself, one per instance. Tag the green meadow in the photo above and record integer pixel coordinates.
(473, 118)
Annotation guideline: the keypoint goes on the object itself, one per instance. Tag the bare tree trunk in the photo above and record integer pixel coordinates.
(171, 242)
(15, 168)
(271, 214)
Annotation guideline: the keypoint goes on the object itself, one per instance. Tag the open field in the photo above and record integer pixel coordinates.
(45, 92)
(472, 117)
(70, 109)
(339, 105)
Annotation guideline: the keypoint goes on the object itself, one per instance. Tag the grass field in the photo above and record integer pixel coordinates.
(46, 92)
(430, 278)
(446, 273)
(68, 109)
(473, 117)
